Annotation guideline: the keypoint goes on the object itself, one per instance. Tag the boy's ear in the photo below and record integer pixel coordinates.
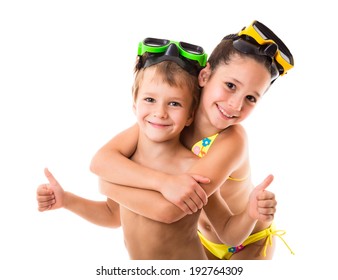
(204, 75)
(134, 107)
(190, 119)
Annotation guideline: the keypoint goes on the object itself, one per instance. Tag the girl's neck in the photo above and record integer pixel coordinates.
(199, 129)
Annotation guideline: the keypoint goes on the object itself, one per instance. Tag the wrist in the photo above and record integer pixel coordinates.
(160, 182)
(250, 216)
(66, 201)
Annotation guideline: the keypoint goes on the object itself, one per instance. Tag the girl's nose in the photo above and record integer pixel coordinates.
(236, 102)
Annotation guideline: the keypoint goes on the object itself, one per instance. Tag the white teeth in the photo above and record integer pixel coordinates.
(224, 113)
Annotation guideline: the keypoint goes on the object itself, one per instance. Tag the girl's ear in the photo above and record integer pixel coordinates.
(204, 75)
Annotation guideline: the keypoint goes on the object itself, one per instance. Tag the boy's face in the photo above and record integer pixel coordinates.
(162, 111)
(232, 92)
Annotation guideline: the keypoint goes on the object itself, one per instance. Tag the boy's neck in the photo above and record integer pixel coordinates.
(150, 150)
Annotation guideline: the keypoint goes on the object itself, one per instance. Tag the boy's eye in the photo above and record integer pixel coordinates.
(251, 98)
(174, 103)
(149, 99)
(231, 86)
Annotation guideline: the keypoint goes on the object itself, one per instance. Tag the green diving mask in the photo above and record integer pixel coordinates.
(190, 57)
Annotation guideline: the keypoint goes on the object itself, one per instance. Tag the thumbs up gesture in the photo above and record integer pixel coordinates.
(50, 196)
(262, 203)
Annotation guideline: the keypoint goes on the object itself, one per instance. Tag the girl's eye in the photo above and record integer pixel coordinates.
(175, 104)
(251, 98)
(149, 99)
(231, 86)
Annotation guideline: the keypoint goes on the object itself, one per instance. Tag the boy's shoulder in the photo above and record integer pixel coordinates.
(185, 159)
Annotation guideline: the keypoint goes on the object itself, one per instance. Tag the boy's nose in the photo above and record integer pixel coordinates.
(160, 112)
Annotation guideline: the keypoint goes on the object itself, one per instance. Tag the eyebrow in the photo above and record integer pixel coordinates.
(255, 92)
(259, 95)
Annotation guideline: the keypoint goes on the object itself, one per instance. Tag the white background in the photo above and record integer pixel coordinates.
(65, 89)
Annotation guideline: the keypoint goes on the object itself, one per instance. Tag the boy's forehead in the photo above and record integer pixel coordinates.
(173, 78)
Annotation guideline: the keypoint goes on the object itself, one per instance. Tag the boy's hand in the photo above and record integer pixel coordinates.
(185, 192)
(262, 203)
(50, 196)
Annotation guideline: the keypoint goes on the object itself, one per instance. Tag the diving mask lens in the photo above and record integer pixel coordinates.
(264, 36)
(186, 50)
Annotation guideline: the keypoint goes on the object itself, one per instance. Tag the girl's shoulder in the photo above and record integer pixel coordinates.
(233, 133)
(230, 143)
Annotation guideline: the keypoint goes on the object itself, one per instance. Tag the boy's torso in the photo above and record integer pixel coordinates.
(149, 239)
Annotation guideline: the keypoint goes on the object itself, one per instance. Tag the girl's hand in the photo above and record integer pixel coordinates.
(185, 192)
(262, 203)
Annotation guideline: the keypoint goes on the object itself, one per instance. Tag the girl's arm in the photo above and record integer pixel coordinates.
(52, 196)
(226, 154)
(234, 229)
(147, 203)
(112, 164)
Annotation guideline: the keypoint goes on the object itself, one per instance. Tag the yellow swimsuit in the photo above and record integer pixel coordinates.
(201, 149)
(223, 251)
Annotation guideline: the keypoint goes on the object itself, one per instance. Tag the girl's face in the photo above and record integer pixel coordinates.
(162, 111)
(232, 92)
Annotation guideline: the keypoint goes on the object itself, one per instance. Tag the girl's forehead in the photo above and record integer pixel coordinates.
(245, 71)
(236, 59)
(241, 64)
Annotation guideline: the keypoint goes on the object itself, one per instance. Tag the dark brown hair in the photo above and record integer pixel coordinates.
(224, 51)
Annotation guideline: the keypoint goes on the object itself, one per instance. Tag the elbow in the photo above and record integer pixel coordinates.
(232, 239)
(115, 224)
(230, 236)
(98, 163)
(166, 219)
(233, 242)
(102, 188)
(113, 214)
(107, 189)
(94, 167)
(169, 214)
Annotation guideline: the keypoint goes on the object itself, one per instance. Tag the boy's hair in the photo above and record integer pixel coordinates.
(224, 51)
(173, 75)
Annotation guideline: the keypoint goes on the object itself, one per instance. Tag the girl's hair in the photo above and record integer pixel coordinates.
(173, 75)
(224, 51)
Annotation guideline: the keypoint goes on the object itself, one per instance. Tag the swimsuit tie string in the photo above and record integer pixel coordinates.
(278, 233)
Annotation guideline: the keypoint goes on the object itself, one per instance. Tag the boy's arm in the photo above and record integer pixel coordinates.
(234, 229)
(147, 203)
(52, 196)
(112, 164)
